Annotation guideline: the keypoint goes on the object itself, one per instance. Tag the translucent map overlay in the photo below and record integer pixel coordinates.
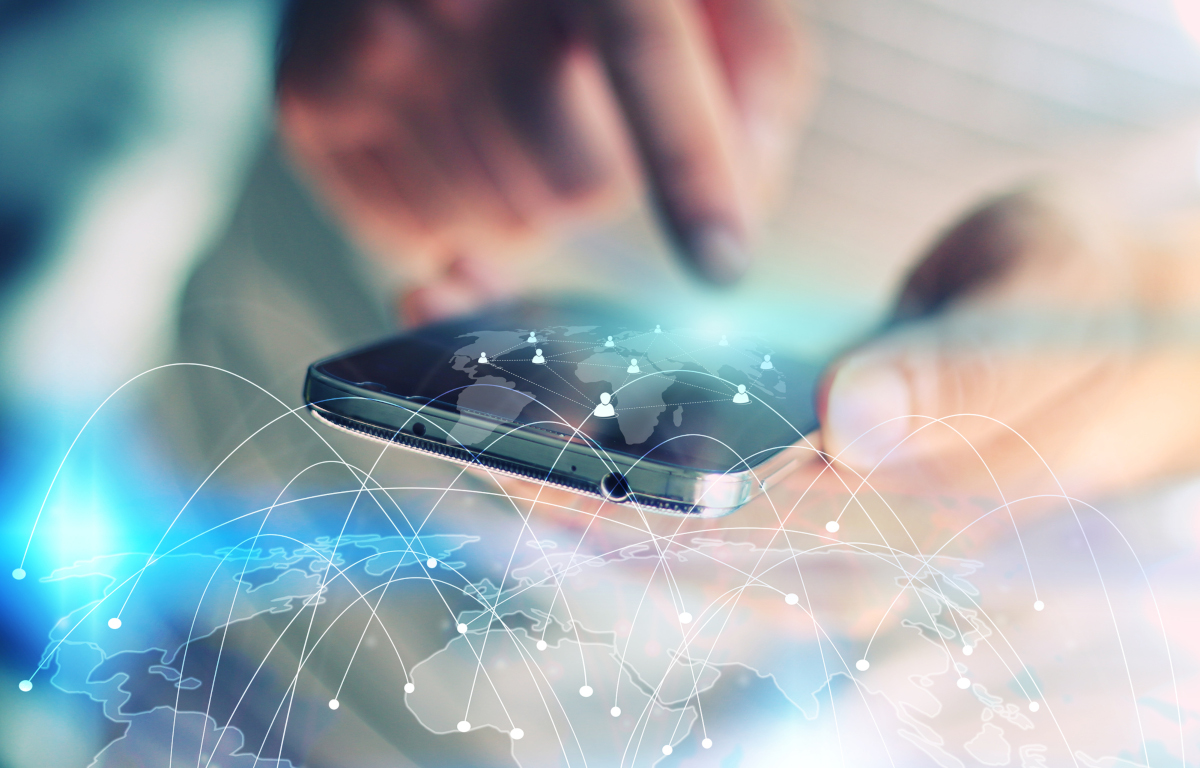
(638, 367)
(392, 609)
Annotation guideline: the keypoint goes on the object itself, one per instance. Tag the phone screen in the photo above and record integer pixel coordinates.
(701, 400)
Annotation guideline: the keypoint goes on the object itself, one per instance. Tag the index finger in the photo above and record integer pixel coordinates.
(669, 88)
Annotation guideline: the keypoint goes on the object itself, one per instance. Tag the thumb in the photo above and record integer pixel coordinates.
(1098, 416)
(1009, 315)
(951, 388)
(865, 407)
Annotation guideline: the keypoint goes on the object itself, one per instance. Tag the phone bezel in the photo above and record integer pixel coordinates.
(525, 453)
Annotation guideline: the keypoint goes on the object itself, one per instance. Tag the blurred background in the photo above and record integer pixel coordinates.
(149, 217)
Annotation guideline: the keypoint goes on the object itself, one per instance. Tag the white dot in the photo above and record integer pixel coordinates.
(863, 665)
(334, 704)
(968, 650)
(409, 687)
(18, 573)
(964, 683)
(431, 563)
(464, 726)
(517, 734)
(791, 598)
(585, 691)
(667, 749)
(25, 685)
(1039, 605)
(615, 711)
(685, 618)
(462, 629)
(114, 623)
(541, 645)
(707, 743)
(832, 526)
(1034, 706)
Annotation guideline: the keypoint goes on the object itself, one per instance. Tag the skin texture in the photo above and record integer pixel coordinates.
(448, 131)
(445, 131)
(1041, 346)
(1053, 341)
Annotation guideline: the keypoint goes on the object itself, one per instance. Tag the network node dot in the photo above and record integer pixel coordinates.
(334, 704)
(791, 598)
(431, 563)
(1034, 706)
(968, 650)
(585, 691)
(964, 683)
(18, 573)
(541, 645)
(409, 687)
(685, 618)
(464, 726)
(462, 629)
(517, 734)
(1039, 605)
(707, 743)
(25, 685)
(615, 711)
(832, 526)
(667, 749)
(863, 665)
(114, 623)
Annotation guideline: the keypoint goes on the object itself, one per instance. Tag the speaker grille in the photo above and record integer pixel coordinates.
(465, 456)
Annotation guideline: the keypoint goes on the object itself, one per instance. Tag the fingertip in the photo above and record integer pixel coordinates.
(717, 253)
(865, 412)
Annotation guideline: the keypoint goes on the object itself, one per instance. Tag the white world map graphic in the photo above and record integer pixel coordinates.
(464, 621)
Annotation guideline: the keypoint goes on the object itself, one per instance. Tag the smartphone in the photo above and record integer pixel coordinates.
(596, 399)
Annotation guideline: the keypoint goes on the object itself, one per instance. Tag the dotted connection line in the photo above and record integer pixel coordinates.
(543, 386)
(675, 358)
(565, 381)
(648, 374)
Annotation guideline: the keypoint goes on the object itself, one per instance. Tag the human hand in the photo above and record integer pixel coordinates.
(435, 126)
(1054, 346)
(1040, 347)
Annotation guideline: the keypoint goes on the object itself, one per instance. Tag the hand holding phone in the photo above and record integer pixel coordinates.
(592, 399)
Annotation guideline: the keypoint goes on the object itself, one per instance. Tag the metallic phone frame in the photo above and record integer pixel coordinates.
(527, 453)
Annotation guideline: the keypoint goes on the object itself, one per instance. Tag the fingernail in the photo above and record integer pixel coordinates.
(718, 254)
(867, 413)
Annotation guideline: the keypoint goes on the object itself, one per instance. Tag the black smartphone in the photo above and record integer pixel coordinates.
(593, 398)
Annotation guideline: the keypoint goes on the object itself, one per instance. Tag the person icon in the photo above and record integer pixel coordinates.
(532, 338)
(724, 342)
(609, 343)
(538, 359)
(605, 410)
(483, 358)
(658, 329)
(741, 398)
(767, 365)
(633, 366)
